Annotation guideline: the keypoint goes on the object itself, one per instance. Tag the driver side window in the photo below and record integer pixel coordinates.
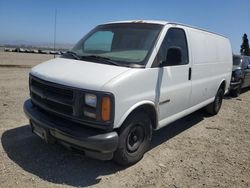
(175, 38)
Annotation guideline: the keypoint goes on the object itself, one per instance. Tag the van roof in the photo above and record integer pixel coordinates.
(162, 22)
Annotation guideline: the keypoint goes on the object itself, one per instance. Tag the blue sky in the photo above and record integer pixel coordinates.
(33, 21)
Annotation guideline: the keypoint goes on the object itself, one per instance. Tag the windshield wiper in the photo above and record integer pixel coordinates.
(73, 54)
(101, 58)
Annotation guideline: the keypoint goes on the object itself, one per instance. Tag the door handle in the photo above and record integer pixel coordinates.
(189, 73)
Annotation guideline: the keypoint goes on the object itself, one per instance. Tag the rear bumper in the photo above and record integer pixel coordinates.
(95, 143)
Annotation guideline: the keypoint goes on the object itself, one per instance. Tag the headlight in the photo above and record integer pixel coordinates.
(98, 108)
(90, 114)
(91, 100)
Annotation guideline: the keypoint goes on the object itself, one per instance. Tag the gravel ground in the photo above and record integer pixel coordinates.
(196, 151)
(22, 59)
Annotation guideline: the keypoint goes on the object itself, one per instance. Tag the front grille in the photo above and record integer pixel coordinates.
(52, 97)
(66, 102)
(67, 93)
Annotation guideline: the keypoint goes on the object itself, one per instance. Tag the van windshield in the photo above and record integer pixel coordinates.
(124, 44)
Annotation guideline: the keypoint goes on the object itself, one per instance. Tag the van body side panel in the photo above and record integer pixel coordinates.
(183, 113)
(212, 63)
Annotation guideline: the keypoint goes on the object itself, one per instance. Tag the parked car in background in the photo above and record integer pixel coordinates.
(240, 74)
(7, 49)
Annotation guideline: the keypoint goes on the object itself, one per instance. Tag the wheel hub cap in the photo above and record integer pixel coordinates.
(135, 138)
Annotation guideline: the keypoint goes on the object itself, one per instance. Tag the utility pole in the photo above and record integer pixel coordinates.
(55, 33)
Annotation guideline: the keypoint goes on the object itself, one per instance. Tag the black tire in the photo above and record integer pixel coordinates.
(236, 92)
(215, 106)
(134, 139)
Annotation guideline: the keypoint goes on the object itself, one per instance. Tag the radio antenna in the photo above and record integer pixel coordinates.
(55, 33)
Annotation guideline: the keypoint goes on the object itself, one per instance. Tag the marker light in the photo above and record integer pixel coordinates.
(106, 108)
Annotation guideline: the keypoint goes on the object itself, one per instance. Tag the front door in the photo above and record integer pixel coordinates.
(174, 79)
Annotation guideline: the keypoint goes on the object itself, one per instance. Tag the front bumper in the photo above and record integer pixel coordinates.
(95, 143)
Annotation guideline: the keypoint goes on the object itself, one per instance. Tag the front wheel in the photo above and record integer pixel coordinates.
(134, 139)
(215, 106)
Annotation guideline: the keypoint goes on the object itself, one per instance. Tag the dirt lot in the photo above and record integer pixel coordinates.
(196, 151)
(22, 59)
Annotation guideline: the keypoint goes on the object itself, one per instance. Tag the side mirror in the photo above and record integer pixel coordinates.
(174, 56)
(248, 66)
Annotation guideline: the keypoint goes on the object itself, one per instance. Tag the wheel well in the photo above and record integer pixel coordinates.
(150, 110)
(223, 85)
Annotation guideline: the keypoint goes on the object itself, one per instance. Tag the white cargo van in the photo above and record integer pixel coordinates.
(122, 81)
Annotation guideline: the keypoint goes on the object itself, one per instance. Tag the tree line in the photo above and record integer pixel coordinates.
(244, 48)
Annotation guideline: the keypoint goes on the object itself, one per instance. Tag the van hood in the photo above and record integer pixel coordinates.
(76, 73)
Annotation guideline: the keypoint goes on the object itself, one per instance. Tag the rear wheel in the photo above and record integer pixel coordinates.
(134, 139)
(215, 106)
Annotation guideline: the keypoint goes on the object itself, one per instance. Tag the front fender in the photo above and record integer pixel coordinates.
(132, 108)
